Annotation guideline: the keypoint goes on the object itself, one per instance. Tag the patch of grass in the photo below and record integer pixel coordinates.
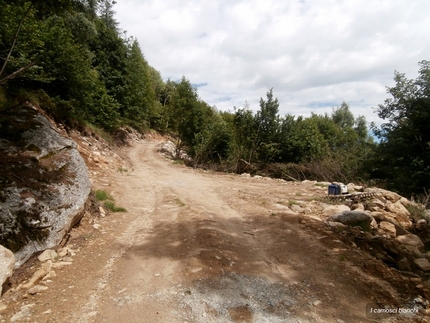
(110, 205)
(178, 162)
(417, 211)
(299, 194)
(122, 170)
(179, 202)
(274, 214)
(102, 195)
(292, 202)
(342, 258)
(100, 132)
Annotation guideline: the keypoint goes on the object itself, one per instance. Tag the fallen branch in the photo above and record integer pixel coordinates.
(249, 164)
(291, 177)
(16, 73)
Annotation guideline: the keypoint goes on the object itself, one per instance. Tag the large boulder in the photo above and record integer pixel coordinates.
(398, 213)
(354, 188)
(44, 182)
(7, 263)
(397, 208)
(352, 218)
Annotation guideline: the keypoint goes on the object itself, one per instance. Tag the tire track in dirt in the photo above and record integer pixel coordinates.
(200, 253)
(197, 246)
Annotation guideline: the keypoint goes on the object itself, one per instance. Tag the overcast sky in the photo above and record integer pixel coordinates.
(315, 54)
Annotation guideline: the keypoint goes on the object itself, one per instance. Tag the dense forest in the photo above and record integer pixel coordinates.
(71, 58)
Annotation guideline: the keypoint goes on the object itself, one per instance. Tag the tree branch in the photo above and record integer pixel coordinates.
(18, 29)
(16, 73)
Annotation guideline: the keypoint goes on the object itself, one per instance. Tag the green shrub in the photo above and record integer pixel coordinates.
(102, 195)
(292, 202)
(100, 132)
(122, 170)
(110, 205)
(417, 211)
(179, 202)
(178, 162)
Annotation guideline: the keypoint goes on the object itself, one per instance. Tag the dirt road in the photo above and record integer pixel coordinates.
(198, 246)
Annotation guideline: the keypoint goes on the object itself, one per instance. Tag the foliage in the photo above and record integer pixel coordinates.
(211, 143)
(99, 132)
(71, 57)
(404, 150)
(267, 126)
(139, 98)
(102, 195)
(110, 205)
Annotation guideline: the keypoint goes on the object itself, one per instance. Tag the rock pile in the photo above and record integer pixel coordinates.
(49, 261)
(386, 229)
(168, 148)
(125, 135)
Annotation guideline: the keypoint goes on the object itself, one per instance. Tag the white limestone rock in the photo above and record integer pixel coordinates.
(48, 254)
(37, 289)
(7, 263)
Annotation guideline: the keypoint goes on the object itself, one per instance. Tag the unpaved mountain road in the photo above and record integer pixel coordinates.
(199, 246)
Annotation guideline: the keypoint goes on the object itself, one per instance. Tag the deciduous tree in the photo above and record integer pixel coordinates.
(403, 155)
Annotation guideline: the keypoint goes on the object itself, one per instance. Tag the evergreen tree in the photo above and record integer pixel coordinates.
(267, 123)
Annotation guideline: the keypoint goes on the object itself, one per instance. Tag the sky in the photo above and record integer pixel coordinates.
(315, 54)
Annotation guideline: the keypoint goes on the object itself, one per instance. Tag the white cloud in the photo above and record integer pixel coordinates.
(314, 53)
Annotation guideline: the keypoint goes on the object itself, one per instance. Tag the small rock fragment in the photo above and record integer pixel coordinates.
(23, 314)
(423, 264)
(48, 254)
(61, 264)
(50, 275)
(316, 303)
(37, 289)
(388, 227)
(39, 274)
(3, 307)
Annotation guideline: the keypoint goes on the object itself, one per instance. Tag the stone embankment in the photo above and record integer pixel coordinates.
(376, 220)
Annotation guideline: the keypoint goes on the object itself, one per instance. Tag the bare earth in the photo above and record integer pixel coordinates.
(198, 246)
